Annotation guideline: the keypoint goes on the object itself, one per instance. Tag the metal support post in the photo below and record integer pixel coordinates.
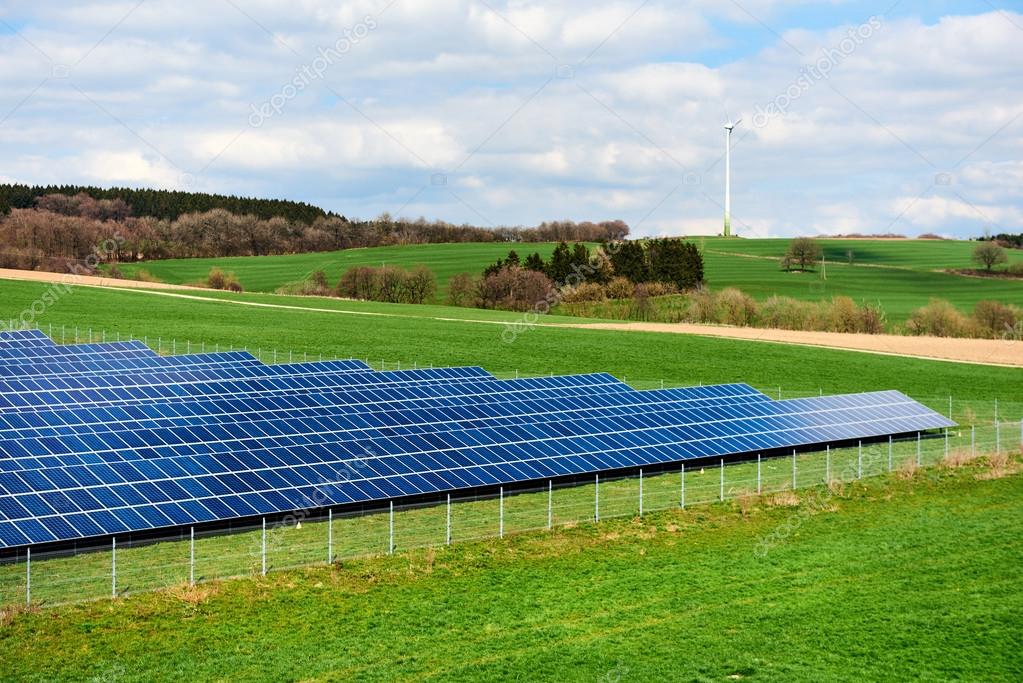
(641, 492)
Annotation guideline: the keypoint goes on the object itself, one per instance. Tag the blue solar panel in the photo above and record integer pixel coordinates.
(95, 442)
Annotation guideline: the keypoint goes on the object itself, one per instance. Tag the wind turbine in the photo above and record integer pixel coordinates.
(728, 174)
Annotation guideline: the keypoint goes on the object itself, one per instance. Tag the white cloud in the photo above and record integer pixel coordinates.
(451, 86)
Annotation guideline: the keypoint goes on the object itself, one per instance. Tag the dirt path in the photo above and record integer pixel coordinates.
(72, 279)
(984, 351)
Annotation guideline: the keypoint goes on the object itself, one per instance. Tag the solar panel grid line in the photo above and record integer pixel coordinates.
(125, 356)
(99, 368)
(25, 337)
(509, 467)
(338, 402)
(35, 449)
(561, 401)
(49, 392)
(186, 375)
(25, 343)
(74, 350)
(170, 393)
(84, 358)
(135, 357)
(472, 393)
(493, 437)
(182, 375)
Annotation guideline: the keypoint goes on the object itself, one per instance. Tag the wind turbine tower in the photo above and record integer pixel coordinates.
(728, 174)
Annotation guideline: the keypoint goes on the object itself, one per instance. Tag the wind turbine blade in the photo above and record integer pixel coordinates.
(737, 122)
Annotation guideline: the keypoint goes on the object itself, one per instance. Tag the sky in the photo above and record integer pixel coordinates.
(900, 116)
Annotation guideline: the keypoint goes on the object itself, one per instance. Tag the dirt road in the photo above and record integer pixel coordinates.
(987, 351)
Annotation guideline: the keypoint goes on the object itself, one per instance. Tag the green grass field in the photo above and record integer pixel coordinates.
(887, 578)
(268, 273)
(411, 335)
(900, 274)
(921, 255)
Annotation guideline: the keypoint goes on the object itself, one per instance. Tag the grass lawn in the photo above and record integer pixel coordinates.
(889, 578)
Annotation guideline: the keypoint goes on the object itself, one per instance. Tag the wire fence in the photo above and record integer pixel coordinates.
(191, 556)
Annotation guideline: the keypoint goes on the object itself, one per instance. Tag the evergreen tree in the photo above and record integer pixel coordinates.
(535, 262)
(560, 264)
(629, 261)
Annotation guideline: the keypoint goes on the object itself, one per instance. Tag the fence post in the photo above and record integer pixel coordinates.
(640, 491)
(447, 528)
(113, 566)
(758, 474)
(779, 393)
(263, 554)
(191, 556)
(946, 442)
(550, 504)
(500, 527)
(998, 437)
(827, 464)
(889, 452)
(721, 477)
(330, 536)
(918, 461)
(950, 406)
(28, 578)
(596, 498)
(793, 469)
(390, 531)
(682, 502)
(859, 459)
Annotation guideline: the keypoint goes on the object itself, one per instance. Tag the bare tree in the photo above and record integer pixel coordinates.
(804, 251)
(989, 254)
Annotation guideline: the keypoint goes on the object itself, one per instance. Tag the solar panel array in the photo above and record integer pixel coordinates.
(105, 439)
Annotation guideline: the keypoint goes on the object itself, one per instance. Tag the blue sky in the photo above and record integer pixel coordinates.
(511, 113)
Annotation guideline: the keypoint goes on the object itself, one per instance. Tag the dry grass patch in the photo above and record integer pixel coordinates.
(908, 469)
(8, 613)
(958, 458)
(784, 499)
(193, 595)
(1000, 465)
(747, 502)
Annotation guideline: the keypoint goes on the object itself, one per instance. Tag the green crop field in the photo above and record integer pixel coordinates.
(916, 254)
(883, 579)
(899, 274)
(268, 273)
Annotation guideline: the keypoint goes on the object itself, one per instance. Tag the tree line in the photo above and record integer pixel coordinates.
(59, 229)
